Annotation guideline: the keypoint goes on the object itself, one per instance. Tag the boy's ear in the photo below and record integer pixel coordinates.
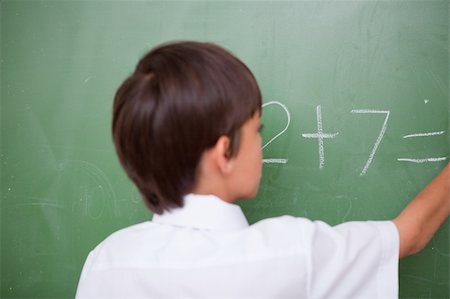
(224, 162)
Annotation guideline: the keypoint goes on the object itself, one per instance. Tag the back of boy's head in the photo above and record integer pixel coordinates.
(176, 104)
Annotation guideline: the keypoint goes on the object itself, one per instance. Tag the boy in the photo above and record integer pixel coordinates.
(185, 126)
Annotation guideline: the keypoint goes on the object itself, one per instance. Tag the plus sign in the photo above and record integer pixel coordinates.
(320, 135)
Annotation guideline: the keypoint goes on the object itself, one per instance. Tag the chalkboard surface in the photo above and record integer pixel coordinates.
(356, 120)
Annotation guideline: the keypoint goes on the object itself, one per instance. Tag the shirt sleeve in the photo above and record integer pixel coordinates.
(354, 260)
(86, 288)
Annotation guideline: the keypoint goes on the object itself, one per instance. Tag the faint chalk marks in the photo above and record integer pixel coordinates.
(435, 264)
(78, 149)
(88, 187)
(430, 281)
(34, 202)
(349, 209)
(439, 252)
(43, 204)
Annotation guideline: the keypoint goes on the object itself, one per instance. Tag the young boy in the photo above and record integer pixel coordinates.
(185, 126)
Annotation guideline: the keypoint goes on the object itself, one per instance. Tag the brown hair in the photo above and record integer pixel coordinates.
(176, 104)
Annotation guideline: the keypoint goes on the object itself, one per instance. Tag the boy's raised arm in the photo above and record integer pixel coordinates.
(423, 216)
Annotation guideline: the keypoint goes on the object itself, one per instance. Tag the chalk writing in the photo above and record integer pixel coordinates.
(379, 138)
(288, 118)
(423, 160)
(279, 161)
(424, 134)
(95, 188)
(320, 135)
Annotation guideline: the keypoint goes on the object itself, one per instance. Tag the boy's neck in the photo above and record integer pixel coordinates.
(219, 192)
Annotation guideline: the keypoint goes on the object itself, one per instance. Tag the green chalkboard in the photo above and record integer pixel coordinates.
(356, 120)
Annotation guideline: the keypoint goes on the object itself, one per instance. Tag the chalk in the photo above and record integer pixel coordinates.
(424, 160)
(287, 124)
(424, 134)
(288, 117)
(275, 161)
(379, 138)
(320, 135)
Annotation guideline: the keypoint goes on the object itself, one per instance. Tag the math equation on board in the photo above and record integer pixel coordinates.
(321, 135)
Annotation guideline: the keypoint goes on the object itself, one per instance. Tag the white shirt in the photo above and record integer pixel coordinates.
(207, 249)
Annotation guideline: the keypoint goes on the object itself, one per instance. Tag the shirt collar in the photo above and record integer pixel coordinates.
(205, 212)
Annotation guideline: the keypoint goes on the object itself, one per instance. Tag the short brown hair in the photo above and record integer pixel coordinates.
(176, 104)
